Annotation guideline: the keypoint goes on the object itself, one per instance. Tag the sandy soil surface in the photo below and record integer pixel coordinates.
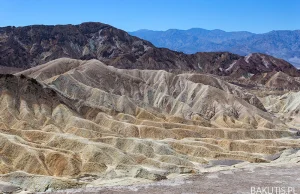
(226, 181)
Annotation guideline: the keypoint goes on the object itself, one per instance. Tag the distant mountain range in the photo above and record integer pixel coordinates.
(281, 43)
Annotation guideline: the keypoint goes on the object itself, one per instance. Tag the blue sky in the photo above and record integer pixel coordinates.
(230, 15)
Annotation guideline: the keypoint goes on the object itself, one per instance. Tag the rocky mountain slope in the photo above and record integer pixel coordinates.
(70, 122)
(25, 47)
(281, 43)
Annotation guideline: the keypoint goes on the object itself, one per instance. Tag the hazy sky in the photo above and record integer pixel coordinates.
(229, 15)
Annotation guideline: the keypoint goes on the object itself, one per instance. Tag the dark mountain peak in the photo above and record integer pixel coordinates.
(92, 27)
(33, 45)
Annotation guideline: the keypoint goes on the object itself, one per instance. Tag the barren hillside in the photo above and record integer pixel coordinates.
(70, 122)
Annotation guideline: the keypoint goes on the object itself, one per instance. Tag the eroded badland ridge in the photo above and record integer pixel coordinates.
(93, 104)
